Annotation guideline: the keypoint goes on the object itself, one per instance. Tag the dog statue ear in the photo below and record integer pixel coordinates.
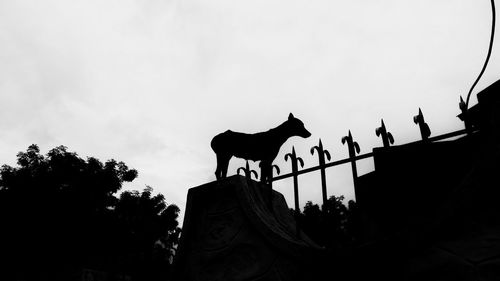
(290, 116)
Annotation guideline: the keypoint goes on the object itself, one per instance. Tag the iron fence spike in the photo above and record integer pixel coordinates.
(300, 161)
(312, 149)
(277, 169)
(356, 146)
(327, 155)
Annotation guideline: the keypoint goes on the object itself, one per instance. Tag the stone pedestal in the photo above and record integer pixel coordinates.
(231, 232)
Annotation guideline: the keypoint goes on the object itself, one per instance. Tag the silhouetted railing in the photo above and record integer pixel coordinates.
(354, 149)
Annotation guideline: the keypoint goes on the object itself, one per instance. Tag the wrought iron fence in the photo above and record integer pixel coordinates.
(354, 156)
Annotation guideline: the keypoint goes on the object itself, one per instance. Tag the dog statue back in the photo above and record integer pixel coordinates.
(263, 146)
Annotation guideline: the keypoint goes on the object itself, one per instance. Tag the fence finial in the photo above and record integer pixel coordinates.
(425, 131)
(270, 179)
(321, 152)
(275, 167)
(247, 171)
(387, 138)
(353, 148)
(294, 158)
(464, 115)
(351, 144)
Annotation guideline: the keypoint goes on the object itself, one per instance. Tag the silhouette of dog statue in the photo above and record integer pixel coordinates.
(263, 146)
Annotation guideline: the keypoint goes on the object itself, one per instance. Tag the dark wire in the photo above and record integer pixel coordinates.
(493, 20)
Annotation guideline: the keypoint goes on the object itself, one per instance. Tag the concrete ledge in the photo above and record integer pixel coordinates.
(230, 232)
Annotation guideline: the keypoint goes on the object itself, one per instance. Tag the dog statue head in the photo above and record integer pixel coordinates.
(296, 127)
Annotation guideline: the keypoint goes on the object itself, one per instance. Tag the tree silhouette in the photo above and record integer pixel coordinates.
(59, 214)
(150, 233)
(334, 227)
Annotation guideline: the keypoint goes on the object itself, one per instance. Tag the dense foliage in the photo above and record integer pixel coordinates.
(334, 226)
(60, 216)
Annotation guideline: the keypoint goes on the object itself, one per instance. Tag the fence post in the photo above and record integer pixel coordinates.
(270, 180)
(321, 156)
(270, 183)
(353, 149)
(425, 131)
(387, 138)
(294, 159)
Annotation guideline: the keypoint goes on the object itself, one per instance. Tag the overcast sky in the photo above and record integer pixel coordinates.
(150, 82)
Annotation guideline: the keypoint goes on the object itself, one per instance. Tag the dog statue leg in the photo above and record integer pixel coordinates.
(222, 165)
(218, 171)
(225, 166)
